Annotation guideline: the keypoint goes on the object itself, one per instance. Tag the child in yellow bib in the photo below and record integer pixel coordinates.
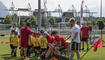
(43, 43)
(13, 43)
(36, 43)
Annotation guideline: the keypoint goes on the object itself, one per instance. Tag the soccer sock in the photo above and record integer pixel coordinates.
(78, 59)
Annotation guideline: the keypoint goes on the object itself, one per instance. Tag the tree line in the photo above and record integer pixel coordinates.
(32, 19)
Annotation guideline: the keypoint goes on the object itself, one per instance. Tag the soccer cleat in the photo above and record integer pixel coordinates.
(22, 57)
(26, 58)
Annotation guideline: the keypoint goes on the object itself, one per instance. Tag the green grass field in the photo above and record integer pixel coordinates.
(5, 52)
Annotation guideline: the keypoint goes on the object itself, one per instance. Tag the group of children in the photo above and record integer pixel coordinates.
(37, 43)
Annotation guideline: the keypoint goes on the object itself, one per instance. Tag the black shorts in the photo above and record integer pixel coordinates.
(12, 47)
(37, 48)
(29, 47)
(61, 48)
(75, 46)
(43, 49)
(85, 39)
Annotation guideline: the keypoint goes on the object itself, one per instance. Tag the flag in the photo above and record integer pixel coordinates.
(81, 12)
(97, 44)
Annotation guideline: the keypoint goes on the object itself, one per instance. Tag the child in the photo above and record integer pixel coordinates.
(13, 42)
(43, 45)
(29, 49)
(36, 43)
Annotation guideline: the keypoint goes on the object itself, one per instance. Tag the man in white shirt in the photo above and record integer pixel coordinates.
(14, 27)
(75, 36)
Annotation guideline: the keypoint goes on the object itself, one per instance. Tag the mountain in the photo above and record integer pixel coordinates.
(3, 11)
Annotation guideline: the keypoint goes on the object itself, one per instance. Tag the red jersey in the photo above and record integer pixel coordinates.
(59, 38)
(85, 31)
(25, 32)
(50, 38)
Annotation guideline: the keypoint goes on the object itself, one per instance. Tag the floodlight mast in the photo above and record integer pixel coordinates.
(39, 14)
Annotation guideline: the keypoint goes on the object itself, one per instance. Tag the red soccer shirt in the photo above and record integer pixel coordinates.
(50, 38)
(85, 31)
(25, 32)
(59, 38)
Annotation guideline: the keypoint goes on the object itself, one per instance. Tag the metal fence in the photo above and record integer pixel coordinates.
(62, 29)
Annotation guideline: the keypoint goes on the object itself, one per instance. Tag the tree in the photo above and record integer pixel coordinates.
(52, 20)
(8, 20)
(22, 22)
(32, 20)
(43, 20)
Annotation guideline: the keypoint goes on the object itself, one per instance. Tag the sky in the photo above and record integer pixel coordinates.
(93, 5)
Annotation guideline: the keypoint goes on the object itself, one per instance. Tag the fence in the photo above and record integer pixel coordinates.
(63, 29)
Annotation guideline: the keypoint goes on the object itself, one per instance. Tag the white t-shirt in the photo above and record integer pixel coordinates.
(16, 29)
(75, 29)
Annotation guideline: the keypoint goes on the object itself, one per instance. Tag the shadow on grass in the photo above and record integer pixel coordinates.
(59, 57)
(10, 58)
(6, 55)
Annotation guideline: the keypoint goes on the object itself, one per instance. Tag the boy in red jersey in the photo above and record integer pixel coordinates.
(24, 34)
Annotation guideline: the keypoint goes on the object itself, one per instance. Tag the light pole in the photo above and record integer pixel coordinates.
(39, 14)
(101, 15)
(101, 9)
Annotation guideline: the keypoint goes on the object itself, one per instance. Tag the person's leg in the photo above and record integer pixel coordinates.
(22, 51)
(12, 52)
(80, 46)
(28, 51)
(25, 52)
(15, 52)
(50, 50)
(43, 54)
(72, 55)
(87, 44)
(35, 51)
(11, 46)
(83, 45)
(78, 55)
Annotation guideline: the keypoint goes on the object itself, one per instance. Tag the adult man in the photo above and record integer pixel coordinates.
(85, 34)
(78, 23)
(14, 27)
(75, 36)
(25, 33)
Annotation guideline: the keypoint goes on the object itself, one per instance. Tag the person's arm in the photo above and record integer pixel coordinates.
(10, 39)
(18, 40)
(68, 37)
(80, 34)
(38, 41)
(58, 43)
(30, 40)
(20, 33)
